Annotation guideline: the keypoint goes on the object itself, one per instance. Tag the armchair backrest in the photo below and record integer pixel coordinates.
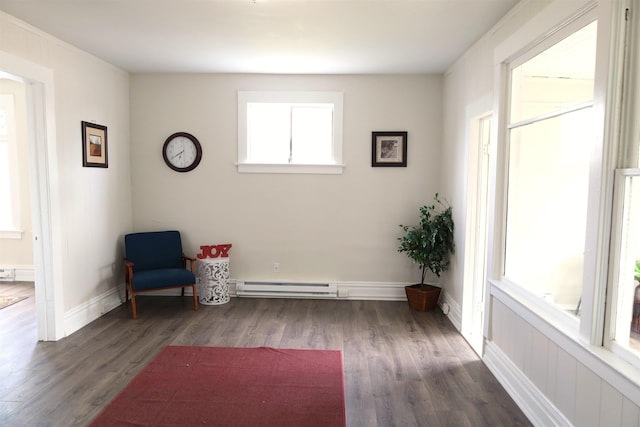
(154, 250)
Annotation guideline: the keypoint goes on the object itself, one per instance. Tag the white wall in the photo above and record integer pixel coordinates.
(469, 80)
(318, 227)
(95, 203)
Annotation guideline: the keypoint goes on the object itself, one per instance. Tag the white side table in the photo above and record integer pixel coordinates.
(213, 280)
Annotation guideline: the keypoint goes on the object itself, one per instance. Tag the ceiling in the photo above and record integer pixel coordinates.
(268, 36)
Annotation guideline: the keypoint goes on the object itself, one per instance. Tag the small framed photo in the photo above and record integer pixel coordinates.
(94, 146)
(389, 149)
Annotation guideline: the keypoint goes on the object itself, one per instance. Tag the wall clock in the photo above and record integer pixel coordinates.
(182, 152)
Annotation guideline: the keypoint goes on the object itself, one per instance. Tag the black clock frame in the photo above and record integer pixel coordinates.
(195, 141)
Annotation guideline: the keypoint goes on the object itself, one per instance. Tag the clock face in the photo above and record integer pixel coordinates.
(182, 152)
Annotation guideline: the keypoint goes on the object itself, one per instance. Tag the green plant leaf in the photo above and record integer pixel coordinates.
(431, 242)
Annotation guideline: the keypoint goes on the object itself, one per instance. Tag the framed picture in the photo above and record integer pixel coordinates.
(389, 149)
(94, 146)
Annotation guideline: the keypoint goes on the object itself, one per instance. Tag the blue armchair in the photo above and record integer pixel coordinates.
(154, 261)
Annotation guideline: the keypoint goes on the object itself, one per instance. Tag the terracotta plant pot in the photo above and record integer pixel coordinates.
(422, 297)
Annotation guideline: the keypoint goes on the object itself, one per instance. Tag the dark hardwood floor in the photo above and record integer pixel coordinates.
(402, 367)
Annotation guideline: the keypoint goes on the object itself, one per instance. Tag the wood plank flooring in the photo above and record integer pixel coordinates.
(402, 367)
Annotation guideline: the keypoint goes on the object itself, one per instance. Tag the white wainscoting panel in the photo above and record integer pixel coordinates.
(630, 414)
(550, 383)
(534, 404)
(610, 405)
(566, 384)
(588, 391)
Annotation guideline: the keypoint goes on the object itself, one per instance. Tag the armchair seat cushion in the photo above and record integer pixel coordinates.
(165, 277)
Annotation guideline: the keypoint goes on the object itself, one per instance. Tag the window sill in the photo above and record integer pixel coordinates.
(11, 234)
(551, 314)
(287, 168)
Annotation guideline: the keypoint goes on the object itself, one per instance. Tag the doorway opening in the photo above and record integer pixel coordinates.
(40, 138)
(479, 136)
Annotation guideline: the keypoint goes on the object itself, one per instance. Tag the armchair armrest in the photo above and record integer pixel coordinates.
(191, 262)
(128, 269)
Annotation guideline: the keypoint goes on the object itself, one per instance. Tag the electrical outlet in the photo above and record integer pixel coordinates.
(276, 267)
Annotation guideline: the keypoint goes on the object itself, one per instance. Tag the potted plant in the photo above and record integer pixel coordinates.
(430, 245)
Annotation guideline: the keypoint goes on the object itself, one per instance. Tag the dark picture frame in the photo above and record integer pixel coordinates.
(95, 153)
(389, 149)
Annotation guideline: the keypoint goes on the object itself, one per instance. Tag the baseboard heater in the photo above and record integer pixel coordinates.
(286, 289)
(7, 275)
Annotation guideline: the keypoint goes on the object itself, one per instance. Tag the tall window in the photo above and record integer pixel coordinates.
(623, 305)
(550, 142)
(572, 202)
(9, 191)
(290, 132)
(625, 324)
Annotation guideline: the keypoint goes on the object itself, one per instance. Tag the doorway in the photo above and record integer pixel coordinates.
(38, 83)
(478, 137)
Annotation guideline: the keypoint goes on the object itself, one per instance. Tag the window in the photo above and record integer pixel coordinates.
(625, 325)
(290, 132)
(9, 190)
(623, 304)
(550, 141)
(569, 241)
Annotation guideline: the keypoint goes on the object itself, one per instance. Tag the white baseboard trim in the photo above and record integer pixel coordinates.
(451, 309)
(89, 311)
(534, 404)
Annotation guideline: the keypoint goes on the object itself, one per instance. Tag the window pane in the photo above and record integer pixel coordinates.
(557, 78)
(268, 133)
(6, 214)
(547, 206)
(627, 331)
(4, 129)
(312, 131)
(290, 132)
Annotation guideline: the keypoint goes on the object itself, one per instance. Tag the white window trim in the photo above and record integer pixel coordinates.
(612, 297)
(507, 56)
(335, 98)
(615, 367)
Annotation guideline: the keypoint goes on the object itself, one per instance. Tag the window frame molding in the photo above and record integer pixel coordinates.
(328, 97)
(609, 341)
(612, 73)
(554, 24)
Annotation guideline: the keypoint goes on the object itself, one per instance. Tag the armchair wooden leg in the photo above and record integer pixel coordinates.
(133, 305)
(195, 298)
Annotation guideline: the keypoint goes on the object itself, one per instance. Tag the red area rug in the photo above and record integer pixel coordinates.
(219, 386)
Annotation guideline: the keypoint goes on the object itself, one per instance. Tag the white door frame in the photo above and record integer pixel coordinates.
(473, 298)
(43, 173)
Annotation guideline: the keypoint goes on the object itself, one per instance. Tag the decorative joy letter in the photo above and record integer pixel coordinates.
(220, 251)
